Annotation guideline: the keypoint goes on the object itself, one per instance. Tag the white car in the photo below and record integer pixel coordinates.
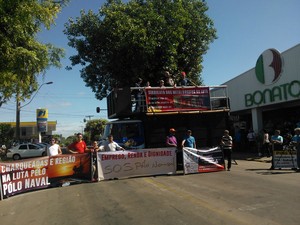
(26, 151)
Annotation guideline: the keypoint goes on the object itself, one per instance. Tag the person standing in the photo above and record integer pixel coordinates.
(171, 140)
(266, 144)
(296, 142)
(184, 81)
(54, 148)
(138, 94)
(189, 140)
(78, 146)
(95, 148)
(226, 143)
(169, 82)
(161, 84)
(277, 141)
(110, 145)
(251, 137)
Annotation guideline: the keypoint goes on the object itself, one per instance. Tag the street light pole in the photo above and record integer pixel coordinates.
(18, 109)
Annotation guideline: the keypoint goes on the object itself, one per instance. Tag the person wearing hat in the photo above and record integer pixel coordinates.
(183, 79)
(171, 140)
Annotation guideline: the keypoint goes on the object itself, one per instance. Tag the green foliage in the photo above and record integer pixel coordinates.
(23, 57)
(141, 38)
(94, 129)
(6, 134)
(69, 140)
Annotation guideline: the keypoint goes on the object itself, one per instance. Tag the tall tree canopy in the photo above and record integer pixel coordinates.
(23, 57)
(141, 38)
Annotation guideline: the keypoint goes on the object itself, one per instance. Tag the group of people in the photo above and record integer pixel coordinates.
(265, 143)
(189, 141)
(277, 142)
(79, 147)
(169, 81)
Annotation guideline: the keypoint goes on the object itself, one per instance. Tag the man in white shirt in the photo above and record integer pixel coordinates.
(110, 145)
(54, 149)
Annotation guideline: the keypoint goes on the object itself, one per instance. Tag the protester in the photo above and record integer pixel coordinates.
(138, 94)
(110, 145)
(54, 148)
(184, 81)
(266, 144)
(161, 83)
(251, 137)
(171, 140)
(226, 144)
(296, 142)
(169, 82)
(277, 141)
(189, 140)
(78, 146)
(95, 148)
(148, 85)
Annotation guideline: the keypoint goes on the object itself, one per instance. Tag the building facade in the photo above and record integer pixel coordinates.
(268, 95)
(29, 130)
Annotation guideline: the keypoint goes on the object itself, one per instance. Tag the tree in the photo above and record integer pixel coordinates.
(23, 57)
(141, 38)
(94, 129)
(6, 134)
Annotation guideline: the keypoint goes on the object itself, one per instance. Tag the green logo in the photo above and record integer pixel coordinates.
(268, 67)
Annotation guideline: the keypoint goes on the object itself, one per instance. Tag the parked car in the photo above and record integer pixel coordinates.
(26, 151)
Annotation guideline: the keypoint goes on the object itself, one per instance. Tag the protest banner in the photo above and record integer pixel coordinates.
(25, 175)
(141, 162)
(177, 99)
(202, 160)
(285, 159)
(42, 172)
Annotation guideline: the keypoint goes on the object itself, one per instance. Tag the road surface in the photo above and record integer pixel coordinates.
(248, 194)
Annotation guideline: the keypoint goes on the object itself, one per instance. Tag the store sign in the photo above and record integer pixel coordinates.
(42, 120)
(276, 94)
(268, 71)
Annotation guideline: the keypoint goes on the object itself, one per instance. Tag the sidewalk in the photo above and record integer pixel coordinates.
(249, 156)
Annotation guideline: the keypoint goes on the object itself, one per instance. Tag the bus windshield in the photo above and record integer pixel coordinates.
(129, 134)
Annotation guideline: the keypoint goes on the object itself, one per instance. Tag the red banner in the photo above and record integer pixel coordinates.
(42, 172)
(177, 99)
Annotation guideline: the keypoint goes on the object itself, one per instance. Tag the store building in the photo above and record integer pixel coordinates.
(268, 95)
(29, 130)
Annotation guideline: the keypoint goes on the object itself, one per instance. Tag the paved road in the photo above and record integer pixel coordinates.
(248, 194)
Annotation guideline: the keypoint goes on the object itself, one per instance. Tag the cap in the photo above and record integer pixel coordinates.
(172, 130)
(183, 73)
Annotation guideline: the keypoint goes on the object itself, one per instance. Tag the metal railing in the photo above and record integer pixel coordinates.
(218, 98)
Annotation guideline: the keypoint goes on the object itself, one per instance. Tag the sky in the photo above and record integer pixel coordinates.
(245, 29)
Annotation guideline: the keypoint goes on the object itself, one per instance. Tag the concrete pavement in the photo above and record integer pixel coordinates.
(249, 156)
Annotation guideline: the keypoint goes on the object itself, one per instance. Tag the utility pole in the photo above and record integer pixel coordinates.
(18, 109)
(89, 116)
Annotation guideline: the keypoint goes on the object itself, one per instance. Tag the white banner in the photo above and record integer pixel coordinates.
(202, 160)
(139, 162)
(285, 158)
